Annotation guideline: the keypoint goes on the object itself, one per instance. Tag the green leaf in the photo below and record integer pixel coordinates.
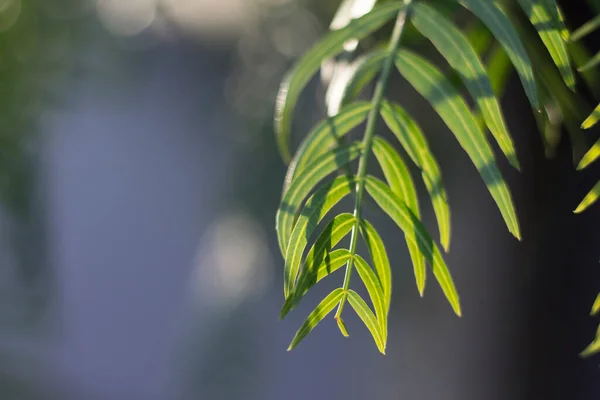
(362, 72)
(380, 260)
(338, 70)
(591, 156)
(328, 47)
(366, 315)
(304, 183)
(590, 199)
(504, 32)
(498, 69)
(401, 183)
(592, 349)
(317, 206)
(319, 262)
(323, 137)
(558, 19)
(455, 48)
(331, 263)
(342, 327)
(542, 20)
(450, 106)
(596, 306)
(591, 63)
(373, 287)
(585, 29)
(415, 144)
(331, 235)
(324, 308)
(592, 119)
(392, 205)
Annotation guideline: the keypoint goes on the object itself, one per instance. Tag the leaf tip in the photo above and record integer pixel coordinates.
(342, 326)
(514, 162)
(587, 124)
(517, 234)
(445, 241)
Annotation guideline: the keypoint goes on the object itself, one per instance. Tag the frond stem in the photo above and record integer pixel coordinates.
(368, 140)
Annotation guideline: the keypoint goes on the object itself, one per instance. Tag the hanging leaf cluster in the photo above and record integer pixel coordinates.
(326, 167)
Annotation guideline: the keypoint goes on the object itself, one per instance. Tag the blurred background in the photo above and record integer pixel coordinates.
(139, 182)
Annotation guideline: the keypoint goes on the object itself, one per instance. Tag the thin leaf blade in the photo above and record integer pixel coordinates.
(589, 199)
(318, 314)
(399, 179)
(504, 32)
(395, 208)
(368, 318)
(321, 260)
(380, 260)
(592, 119)
(375, 292)
(323, 137)
(541, 19)
(317, 206)
(331, 263)
(592, 155)
(305, 182)
(299, 76)
(453, 110)
(410, 135)
(596, 306)
(456, 49)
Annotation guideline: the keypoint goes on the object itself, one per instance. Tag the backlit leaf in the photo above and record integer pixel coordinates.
(304, 183)
(395, 208)
(542, 20)
(399, 179)
(324, 308)
(342, 327)
(592, 119)
(317, 206)
(328, 47)
(362, 72)
(592, 155)
(323, 137)
(596, 306)
(504, 32)
(592, 349)
(451, 107)
(455, 48)
(590, 199)
(375, 292)
(380, 260)
(368, 318)
(331, 263)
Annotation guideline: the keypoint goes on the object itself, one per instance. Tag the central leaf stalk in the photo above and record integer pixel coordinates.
(368, 141)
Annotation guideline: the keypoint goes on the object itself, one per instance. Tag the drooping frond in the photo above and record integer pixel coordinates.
(323, 169)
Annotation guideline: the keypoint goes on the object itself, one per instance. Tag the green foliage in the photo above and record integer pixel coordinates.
(324, 163)
(591, 156)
